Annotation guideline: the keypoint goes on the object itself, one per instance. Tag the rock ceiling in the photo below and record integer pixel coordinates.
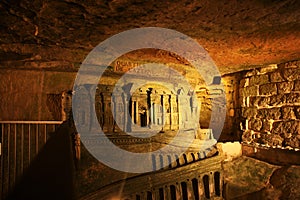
(237, 34)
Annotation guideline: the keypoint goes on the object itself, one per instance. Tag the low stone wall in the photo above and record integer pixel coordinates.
(273, 156)
(230, 150)
(270, 101)
(198, 180)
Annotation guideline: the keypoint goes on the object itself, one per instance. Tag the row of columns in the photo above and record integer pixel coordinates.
(190, 189)
(146, 109)
(159, 109)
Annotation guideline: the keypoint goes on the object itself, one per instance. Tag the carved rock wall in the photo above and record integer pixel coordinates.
(231, 130)
(32, 94)
(36, 95)
(59, 34)
(270, 99)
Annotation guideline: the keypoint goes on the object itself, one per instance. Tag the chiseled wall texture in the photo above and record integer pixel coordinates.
(270, 101)
(32, 94)
(231, 130)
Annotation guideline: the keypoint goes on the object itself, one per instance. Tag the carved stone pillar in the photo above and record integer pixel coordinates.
(173, 113)
(118, 112)
(151, 110)
(108, 118)
(101, 110)
(211, 185)
(66, 105)
(137, 120)
(178, 190)
(190, 190)
(127, 103)
(151, 107)
(201, 188)
(180, 110)
(163, 114)
(157, 109)
(93, 117)
(156, 193)
(195, 110)
(185, 113)
(132, 111)
(126, 126)
(167, 192)
(83, 110)
(148, 118)
(168, 113)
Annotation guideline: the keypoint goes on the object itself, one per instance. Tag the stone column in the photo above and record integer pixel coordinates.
(108, 119)
(151, 116)
(82, 113)
(211, 185)
(168, 118)
(171, 113)
(179, 108)
(221, 183)
(119, 113)
(137, 120)
(167, 192)
(201, 188)
(178, 190)
(126, 113)
(126, 103)
(149, 110)
(66, 105)
(148, 118)
(144, 195)
(163, 115)
(174, 113)
(132, 111)
(190, 190)
(184, 112)
(155, 108)
(156, 193)
(93, 117)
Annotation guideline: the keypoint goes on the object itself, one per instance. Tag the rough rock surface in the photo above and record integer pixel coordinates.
(248, 178)
(59, 34)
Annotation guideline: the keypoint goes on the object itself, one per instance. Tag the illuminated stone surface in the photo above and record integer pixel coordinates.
(59, 34)
(279, 109)
(261, 180)
(43, 43)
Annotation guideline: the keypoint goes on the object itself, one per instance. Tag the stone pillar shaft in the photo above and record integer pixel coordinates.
(132, 111)
(137, 121)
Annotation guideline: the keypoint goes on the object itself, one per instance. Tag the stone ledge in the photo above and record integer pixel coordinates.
(272, 155)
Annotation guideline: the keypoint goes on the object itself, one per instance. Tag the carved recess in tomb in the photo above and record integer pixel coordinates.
(150, 107)
(160, 102)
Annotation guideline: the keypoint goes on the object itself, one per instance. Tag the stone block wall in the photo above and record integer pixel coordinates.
(270, 102)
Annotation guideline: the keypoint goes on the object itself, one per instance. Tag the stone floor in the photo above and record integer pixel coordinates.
(248, 178)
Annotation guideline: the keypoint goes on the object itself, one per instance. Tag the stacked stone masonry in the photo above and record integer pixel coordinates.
(270, 101)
